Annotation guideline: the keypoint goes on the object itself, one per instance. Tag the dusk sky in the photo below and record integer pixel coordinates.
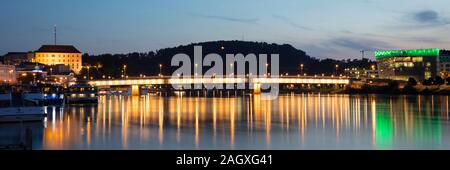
(323, 28)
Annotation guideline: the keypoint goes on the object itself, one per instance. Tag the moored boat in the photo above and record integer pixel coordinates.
(22, 114)
(82, 93)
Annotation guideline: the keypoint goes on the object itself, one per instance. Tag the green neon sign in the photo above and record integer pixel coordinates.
(432, 52)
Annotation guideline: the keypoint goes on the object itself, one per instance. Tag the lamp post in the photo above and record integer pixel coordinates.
(125, 70)
(88, 71)
(301, 68)
(34, 78)
(160, 70)
(337, 68)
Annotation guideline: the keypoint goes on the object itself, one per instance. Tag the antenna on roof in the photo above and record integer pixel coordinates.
(54, 31)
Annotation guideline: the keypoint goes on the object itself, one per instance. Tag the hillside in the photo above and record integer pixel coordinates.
(148, 63)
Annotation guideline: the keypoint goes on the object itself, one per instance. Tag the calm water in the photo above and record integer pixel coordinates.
(302, 121)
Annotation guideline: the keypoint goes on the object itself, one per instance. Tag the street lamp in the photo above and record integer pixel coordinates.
(337, 68)
(34, 78)
(87, 70)
(160, 70)
(301, 68)
(125, 69)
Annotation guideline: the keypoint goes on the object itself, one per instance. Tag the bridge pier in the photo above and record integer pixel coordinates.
(256, 88)
(135, 90)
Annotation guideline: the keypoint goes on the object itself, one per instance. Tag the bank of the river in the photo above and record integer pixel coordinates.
(407, 89)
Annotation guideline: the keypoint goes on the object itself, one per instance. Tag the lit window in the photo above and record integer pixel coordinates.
(417, 59)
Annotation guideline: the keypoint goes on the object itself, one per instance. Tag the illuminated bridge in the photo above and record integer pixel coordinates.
(257, 82)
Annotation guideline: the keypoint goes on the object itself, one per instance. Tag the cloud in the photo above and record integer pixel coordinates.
(425, 39)
(346, 31)
(226, 18)
(290, 22)
(428, 18)
(345, 47)
(359, 43)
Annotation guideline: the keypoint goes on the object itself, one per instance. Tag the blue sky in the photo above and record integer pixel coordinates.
(323, 28)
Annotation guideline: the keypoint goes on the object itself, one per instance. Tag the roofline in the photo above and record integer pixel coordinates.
(428, 52)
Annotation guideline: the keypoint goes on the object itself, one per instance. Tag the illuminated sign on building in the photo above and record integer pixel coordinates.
(432, 52)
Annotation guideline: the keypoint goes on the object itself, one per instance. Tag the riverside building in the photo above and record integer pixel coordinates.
(59, 54)
(420, 64)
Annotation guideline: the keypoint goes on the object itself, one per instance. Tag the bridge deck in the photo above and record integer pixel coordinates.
(230, 80)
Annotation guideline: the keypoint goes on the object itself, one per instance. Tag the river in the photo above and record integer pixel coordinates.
(296, 121)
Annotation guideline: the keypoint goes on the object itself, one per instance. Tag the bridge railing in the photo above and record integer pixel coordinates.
(221, 80)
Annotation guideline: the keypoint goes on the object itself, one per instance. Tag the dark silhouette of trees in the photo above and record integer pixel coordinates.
(412, 81)
(148, 63)
(428, 82)
(438, 80)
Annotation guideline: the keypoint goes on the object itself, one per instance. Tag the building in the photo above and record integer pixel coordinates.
(59, 54)
(59, 69)
(361, 73)
(30, 72)
(444, 63)
(7, 74)
(16, 58)
(420, 64)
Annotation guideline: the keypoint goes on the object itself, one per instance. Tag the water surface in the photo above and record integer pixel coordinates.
(300, 121)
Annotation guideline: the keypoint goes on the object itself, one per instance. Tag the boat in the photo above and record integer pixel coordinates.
(43, 96)
(53, 95)
(22, 114)
(12, 108)
(82, 94)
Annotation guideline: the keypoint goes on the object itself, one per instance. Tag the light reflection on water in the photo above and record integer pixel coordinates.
(302, 121)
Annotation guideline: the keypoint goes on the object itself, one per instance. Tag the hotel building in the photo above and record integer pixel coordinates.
(59, 54)
(420, 64)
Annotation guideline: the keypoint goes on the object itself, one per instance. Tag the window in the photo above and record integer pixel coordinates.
(417, 59)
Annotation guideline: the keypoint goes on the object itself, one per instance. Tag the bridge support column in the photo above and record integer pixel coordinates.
(256, 88)
(135, 90)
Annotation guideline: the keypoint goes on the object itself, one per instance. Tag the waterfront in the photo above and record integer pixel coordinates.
(300, 121)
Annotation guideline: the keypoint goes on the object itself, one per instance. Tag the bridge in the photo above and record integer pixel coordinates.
(257, 82)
